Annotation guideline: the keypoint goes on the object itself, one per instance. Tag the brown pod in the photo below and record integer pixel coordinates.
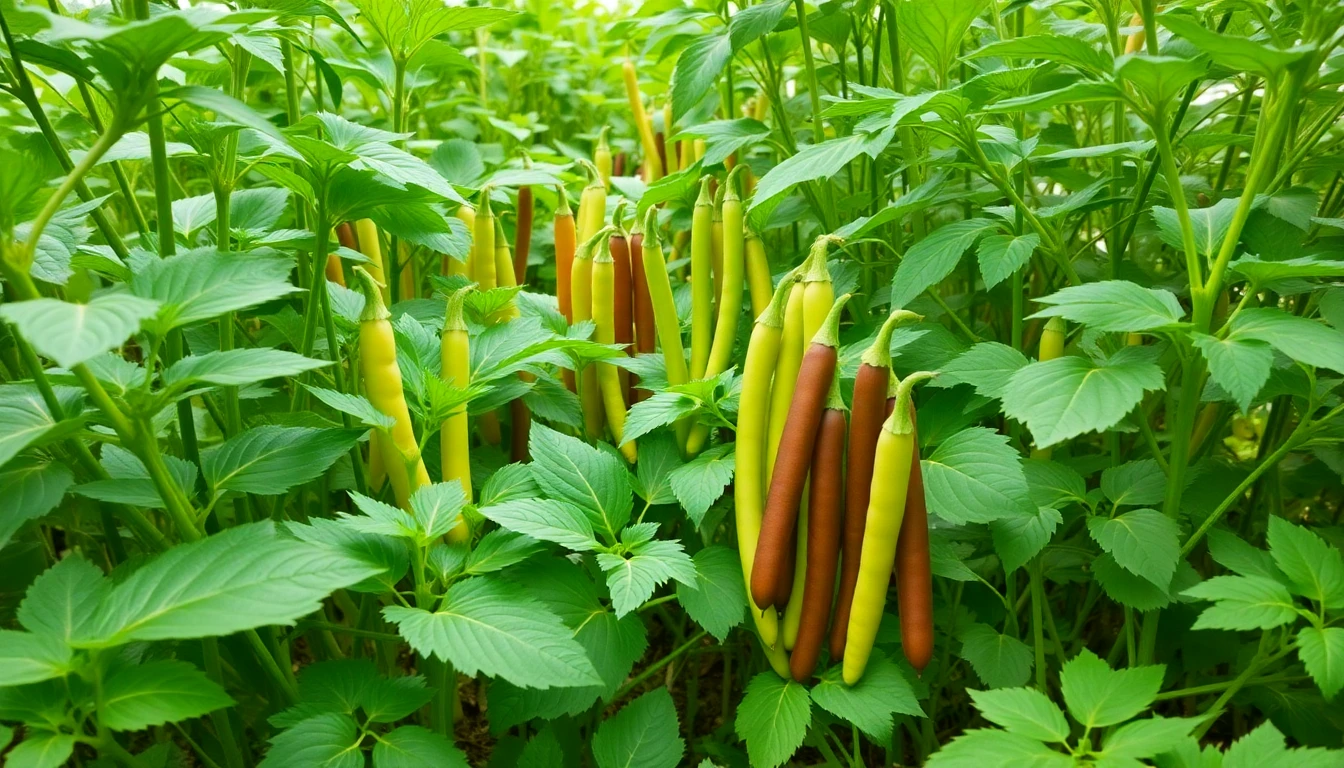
(645, 330)
(823, 540)
(522, 238)
(869, 409)
(345, 235)
(623, 298)
(618, 164)
(661, 143)
(914, 579)
(772, 575)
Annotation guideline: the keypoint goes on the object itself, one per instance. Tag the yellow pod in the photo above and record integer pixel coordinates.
(581, 292)
(454, 441)
(602, 157)
(758, 273)
(467, 215)
(483, 245)
(702, 280)
(367, 234)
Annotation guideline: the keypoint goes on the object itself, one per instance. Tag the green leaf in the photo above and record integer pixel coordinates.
(934, 29)
(773, 719)
(62, 600)
(509, 483)
(1060, 49)
(976, 477)
(1098, 696)
(573, 471)
(701, 481)
(493, 627)
(25, 420)
(1126, 588)
(1315, 568)
(1083, 92)
(1145, 738)
(632, 579)
(998, 660)
(814, 161)
(1233, 553)
(698, 69)
(1018, 539)
(1210, 226)
(248, 576)
(718, 601)
(933, 258)
(724, 137)
(389, 699)
(158, 692)
(1159, 78)
(30, 490)
(203, 284)
(411, 746)
(1322, 652)
(869, 704)
(1002, 255)
(236, 367)
(437, 508)
(1134, 484)
(1266, 746)
(644, 734)
(41, 749)
(985, 366)
(72, 333)
(1114, 305)
(1062, 398)
(1240, 366)
(1230, 51)
(990, 746)
(1023, 711)
(658, 456)
(26, 657)
(659, 410)
(1267, 272)
(269, 460)
(1145, 542)
(498, 550)
(558, 522)
(1306, 341)
(1243, 602)
(353, 405)
(405, 26)
(325, 741)
(130, 482)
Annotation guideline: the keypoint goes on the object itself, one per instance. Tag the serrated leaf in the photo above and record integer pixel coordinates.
(30, 490)
(1306, 341)
(1315, 568)
(643, 734)
(1098, 696)
(719, 599)
(1144, 541)
(72, 333)
(999, 660)
(1023, 711)
(1002, 255)
(571, 470)
(871, 703)
(270, 460)
(328, 740)
(994, 747)
(700, 482)
(412, 746)
(1062, 398)
(974, 476)
(1242, 603)
(632, 579)
(1114, 305)
(158, 692)
(1322, 653)
(773, 719)
(933, 258)
(546, 520)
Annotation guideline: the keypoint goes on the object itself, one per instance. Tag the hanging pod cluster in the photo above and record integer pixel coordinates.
(815, 500)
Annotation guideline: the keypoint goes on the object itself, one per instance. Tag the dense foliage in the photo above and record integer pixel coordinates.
(1115, 230)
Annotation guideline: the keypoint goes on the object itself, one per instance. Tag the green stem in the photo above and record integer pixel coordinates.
(652, 669)
(233, 756)
(1177, 193)
(1037, 623)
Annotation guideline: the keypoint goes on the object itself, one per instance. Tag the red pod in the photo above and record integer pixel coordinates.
(618, 164)
(869, 408)
(914, 578)
(623, 304)
(825, 502)
(645, 330)
(661, 143)
(345, 235)
(772, 576)
(522, 239)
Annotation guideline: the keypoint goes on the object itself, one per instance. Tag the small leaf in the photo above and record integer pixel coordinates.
(643, 734)
(773, 719)
(1322, 652)
(999, 660)
(72, 333)
(156, 693)
(1023, 711)
(933, 258)
(701, 481)
(1145, 542)
(870, 703)
(270, 460)
(1114, 305)
(1098, 696)
(1069, 396)
(718, 601)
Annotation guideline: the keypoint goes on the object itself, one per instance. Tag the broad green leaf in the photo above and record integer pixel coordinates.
(1002, 255)
(719, 599)
(1145, 542)
(1145, 738)
(1305, 267)
(1322, 652)
(998, 660)
(1240, 366)
(437, 508)
(1114, 305)
(27, 657)
(1315, 568)
(1304, 340)
(62, 600)
(1098, 696)
(30, 490)
(871, 703)
(158, 692)
(1235, 53)
(412, 746)
(509, 483)
(1023, 711)
(933, 258)
(698, 69)
(659, 410)
(1062, 398)
(724, 137)
(773, 719)
(405, 26)
(353, 405)
(700, 482)
(814, 161)
(1134, 484)
(571, 470)
(658, 457)
(1235, 554)
(245, 577)
(934, 29)
(130, 482)
(493, 627)
(985, 366)
(975, 477)
(269, 460)
(205, 283)
(1126, 588)
(1159, 78)
(1052, 48)
(42, 749)
(1053, 484)
(72, 333)
(329, 740)
(633, 577)
(236, 367)
(1018, 539)
(643, 734)
(498, 550)
(1210, 226)
(990, 746)
(1243, 602)
(546, 520)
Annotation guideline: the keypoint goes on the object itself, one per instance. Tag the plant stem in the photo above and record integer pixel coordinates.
(1037, 624)
(653, 668)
